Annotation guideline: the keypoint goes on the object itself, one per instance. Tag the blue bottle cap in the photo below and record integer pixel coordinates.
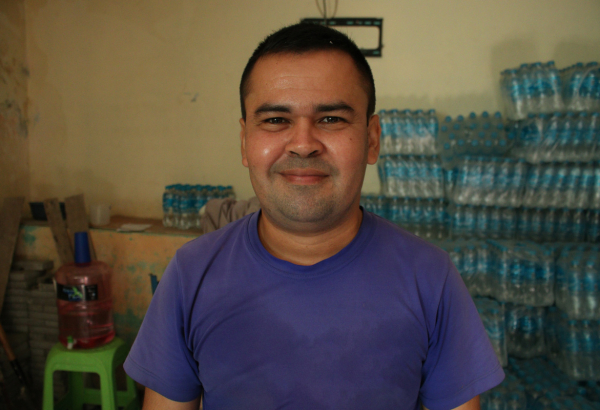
(82, 248)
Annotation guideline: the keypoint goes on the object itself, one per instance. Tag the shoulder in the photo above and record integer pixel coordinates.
(407, 249)
(232, 234)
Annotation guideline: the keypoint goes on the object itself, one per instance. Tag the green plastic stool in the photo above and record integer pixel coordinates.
(103, 361)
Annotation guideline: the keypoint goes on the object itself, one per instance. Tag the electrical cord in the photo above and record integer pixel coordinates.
(323, 11)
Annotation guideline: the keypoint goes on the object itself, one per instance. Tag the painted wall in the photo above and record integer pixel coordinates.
(128, 96)
(14, 151)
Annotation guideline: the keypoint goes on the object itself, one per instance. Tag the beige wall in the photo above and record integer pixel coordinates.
(14, 154)
(128, 96)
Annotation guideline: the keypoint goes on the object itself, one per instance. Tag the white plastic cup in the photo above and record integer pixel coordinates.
(100, 214)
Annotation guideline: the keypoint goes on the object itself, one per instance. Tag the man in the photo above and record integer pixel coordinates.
(311, 303)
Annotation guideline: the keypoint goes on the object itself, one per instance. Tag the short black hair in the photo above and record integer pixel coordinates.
(305, 37)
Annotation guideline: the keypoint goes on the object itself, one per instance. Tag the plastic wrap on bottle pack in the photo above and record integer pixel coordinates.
(483, 135)
(548, 387)
(182, 203)
(574, 345)
(581, 87)
(472, 259)
(482, 222)
(531, 88)
(577, 288)
(568, 137)
(522, 273)
(508, 395)
(377, 204)
(489, 181)
(492, 315)
(556, 225)
(408, 132)
(525, 331)
(411, 176)
(424, 217)
(560, 185)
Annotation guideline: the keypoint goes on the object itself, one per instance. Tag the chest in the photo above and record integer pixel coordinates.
(325, 340)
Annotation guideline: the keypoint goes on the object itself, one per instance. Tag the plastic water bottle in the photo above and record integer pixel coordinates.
(177, 194)
(591, 290)
(186, 210)
(84, 299)
(495, 226)
(509, 223)
(168, 208)
(593, 226)
(386, 133)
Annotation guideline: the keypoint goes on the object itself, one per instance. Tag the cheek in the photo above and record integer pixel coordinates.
(262, 152)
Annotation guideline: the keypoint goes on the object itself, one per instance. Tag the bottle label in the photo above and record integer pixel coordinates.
(77, 293)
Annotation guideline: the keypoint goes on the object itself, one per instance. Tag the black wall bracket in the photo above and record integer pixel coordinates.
(353, 22)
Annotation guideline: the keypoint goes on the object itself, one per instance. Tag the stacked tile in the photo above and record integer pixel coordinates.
(43, 332)
(14, 311)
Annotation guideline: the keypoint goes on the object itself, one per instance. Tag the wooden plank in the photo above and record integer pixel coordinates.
(10, 218)
(77, 219)
(32, 264)
(59, 231)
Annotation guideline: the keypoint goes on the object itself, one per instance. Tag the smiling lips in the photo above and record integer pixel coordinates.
(304, 176)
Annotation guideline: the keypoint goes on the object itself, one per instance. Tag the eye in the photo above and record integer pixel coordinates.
(275, 120)
(331, 120)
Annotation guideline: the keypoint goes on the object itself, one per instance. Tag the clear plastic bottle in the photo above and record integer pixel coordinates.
(168, 209)
(84, 299)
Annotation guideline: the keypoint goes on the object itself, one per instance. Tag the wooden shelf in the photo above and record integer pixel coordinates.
(117, 221)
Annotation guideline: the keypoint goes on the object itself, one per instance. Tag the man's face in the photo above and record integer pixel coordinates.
(305, 140)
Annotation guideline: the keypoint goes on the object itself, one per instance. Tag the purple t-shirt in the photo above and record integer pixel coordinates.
(385, 323)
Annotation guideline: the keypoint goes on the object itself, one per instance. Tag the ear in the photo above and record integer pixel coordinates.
(373, 135)
(243, 142)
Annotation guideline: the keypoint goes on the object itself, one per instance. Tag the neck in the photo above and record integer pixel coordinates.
(308, 247)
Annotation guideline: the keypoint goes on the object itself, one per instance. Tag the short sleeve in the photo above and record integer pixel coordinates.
(159, 358)
(461, 362)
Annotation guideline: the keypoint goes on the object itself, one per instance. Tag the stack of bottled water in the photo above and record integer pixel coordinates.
(472, 136)
(574, 345)
(525, 331)
(492, 316)
(411, 176)
(469, 221)
(182, 203)
(557, 225)
(592, 232)
(581, 87)
(595, 197)
(547, 387)
(408, 132)
(558, 137)
(532, 88)
(378, 204)
(472, 259)
(508, 395)
(564, 185)
(522, 273)
(578, 282)
(424, 217)
(489, 181)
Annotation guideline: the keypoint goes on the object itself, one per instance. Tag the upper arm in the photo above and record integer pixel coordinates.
(472, 404)
(156, 401)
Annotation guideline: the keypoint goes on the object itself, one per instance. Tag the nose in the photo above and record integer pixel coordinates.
(304, 141)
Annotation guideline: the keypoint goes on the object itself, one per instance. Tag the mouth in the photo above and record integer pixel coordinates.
(304, 176)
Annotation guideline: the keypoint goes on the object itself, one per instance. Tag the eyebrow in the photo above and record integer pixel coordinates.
(338, 106)
(272, 108)
(320, 108)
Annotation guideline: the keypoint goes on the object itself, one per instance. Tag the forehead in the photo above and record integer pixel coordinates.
(318, 74)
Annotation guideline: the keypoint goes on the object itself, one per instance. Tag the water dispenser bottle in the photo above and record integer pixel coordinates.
(84, 299)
